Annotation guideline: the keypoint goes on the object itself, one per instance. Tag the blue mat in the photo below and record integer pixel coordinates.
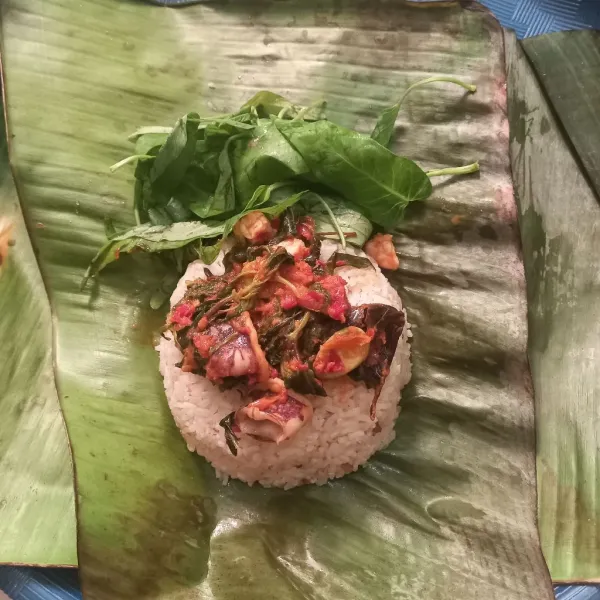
(527, 18)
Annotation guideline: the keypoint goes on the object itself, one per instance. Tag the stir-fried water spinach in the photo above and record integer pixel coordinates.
(197, 179)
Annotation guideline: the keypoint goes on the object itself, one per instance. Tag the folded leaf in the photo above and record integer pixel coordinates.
(358, 168)
(568, 67)
(37, 500)
(174, 158)
(559, 219)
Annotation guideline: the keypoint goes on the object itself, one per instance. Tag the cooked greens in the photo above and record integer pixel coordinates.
(197, 179)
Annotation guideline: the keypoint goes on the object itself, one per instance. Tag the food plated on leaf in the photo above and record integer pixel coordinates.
(285, 348)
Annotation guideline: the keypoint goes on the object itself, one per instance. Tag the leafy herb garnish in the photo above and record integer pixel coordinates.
(194, 181)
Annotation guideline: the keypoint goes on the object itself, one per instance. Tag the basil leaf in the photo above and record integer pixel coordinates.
(359, 168)
(151, 238)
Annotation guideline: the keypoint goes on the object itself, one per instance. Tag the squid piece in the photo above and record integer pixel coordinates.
(343, 352)
(275, 417)
(294, 247)
(232, 350)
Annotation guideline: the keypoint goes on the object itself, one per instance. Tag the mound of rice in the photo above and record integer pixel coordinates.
(340, 437)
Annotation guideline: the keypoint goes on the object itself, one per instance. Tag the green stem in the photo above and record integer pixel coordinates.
(334, 221)
(300, 115)
(145, 130)
(472, 168)
(129, 159)
(444, 78)
(299, 327)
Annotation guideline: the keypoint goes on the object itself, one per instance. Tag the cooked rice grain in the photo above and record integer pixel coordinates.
(341, 435)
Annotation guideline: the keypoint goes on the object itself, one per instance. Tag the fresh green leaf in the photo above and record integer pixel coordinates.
(209, 253)
(333, 220)
(178, 211)
(264, 159)
(150, 143)
(174, 158)
(224, 198)
(152, 238)
(217, 133)
(359, 168)
(196, 190)
(384, 128)
(357, 229)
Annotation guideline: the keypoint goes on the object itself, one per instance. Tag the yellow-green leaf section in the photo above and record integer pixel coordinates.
(37, 501)
(560, 225)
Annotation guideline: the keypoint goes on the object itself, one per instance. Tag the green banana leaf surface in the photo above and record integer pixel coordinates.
(560, 224)
(567, 65)
(37, 502)
(449, 509)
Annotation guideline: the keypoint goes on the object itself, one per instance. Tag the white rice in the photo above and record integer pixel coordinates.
(340, 437)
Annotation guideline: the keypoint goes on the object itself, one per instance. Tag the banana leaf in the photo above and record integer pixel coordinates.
(37, 503)
(449, 509)
(567, 65)
(560, 225)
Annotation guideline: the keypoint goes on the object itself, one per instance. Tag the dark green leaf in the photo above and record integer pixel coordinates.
(264, 159)
(217, 133)
(208, 254)
(174, 158)
(360, 169)
(177, 211)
